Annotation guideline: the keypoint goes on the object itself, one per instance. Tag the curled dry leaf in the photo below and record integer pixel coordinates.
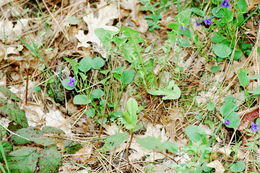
(105, 14)
(248, 117)
(139, 21)
(217, 166)
(9, 32)
(55, 119)
(35, 114)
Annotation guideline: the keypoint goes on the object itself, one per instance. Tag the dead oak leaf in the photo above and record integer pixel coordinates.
(217, 166)
(99, 19)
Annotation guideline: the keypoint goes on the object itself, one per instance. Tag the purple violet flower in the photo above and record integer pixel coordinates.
(254, 127)
(226, 122)
(71, 82)
(208, 21)
(198, 22)
(182, 27)
(225, 4)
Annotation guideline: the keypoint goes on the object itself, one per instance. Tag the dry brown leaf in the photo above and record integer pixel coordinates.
(9, 32)
(217, 166)
(247, 118)
(35, 114)
(84, 153)
(139, 21)
(54, 118)
(100, 20)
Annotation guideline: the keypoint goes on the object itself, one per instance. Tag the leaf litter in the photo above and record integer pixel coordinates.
(165, 121)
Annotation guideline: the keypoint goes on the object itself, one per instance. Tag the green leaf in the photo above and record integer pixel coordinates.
(97, 93)
(33, 135)
(217, 38)
(198, 12)
(81, 100)
(228, 107)
(149, 142)
(85, 64)
(195, 133)
(97, 63)
(105, 36)
(171, 147)
(221, 50)
(172, 91)
(211, 106)
(74, 65)
(64, 83)
(9, 94)
(90, 112)
(242, 6)
(114, 141)
(127, 76)
(237, 54)
(23, 160)
(238, 167)
(49, 129)
(183, 42)
(184, 17)
(243, 78)
(71, 147)
(234, 119)
(256, 92)
(15, 114)
(218, 12)
(214, 69)
(130, 117)
(50, 160)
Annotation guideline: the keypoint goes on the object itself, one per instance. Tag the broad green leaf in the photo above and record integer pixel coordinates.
(33, 135)
(90, 112)
(97, 63)
(130, 117)
(184, 17)
(85, 64)
(50, 160)
(195, 133)
(64, 83)
(198, 12)
(172, 91)
(15, 114)
(23, 160)
(228, 107)
(183, 42)
(234, 120)
(127, 76)
(221, 50)
(256, 91)
(211, 106)
(49, 129)
(214, 69)
(114, 141)
(149, 142)
(171, 147)
(237, 55)
(242, 6)
(217, 38)
(81, 100)
(105, 36)
(97, 93)
(218, 12)
(71, 147)
(9, 94)
(132, 107)
(238, 166)
(243, 78)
